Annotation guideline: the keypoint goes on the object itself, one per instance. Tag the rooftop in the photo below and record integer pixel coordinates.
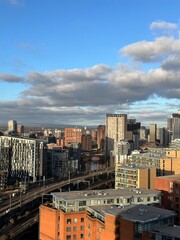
(136, 213)
(173, 231)
(107, 193)
(171, 177)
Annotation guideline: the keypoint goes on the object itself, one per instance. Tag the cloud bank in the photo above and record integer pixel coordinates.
(84, 96)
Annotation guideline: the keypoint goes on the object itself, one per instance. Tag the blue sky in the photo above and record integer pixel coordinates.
(74, 61)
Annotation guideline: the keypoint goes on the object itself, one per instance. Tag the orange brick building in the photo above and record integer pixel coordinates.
(72, 135)
(103, 223)
(67, 217)
(56, 224)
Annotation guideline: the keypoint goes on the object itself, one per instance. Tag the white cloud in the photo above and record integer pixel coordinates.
(152, 51)
(161, 25)
(86, 95)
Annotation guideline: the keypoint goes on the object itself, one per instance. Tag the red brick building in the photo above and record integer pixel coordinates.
(104, 223)
(72, 135)
(170, 188)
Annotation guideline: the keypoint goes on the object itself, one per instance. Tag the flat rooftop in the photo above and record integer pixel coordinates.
(136, 213)
(173, 231)
(171, 177)
(107, 193)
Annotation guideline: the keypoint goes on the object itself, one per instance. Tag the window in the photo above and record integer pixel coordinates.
(68, 229)
(68, 237)
(148, 199)
(82, 219)
(82, 228)
(74, 237)
(82, 236)
(58, 218)
(75, 220)
(82, 203)
(68, 221)
(74, 228)
(140, 199)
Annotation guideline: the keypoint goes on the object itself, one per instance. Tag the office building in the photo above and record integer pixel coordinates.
(175, 126)
(143, 133)
(101, 136)
(86, 142)
(164, 137)
(72, 135)
(12, 126)
(20, 129)
(57, 162)
(116, 128)
(68, 211)
(152, 132)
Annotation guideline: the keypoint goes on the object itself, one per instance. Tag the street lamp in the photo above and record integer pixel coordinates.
(69, 177)
(10, 202)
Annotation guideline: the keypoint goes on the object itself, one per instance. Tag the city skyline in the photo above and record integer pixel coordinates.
(73, 62)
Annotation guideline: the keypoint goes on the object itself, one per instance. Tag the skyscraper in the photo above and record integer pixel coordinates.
(101, 137)
(116, 126)
(12, 125)
(153, 132)
(176, 126)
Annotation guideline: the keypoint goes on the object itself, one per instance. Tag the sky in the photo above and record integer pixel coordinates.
(74, 61)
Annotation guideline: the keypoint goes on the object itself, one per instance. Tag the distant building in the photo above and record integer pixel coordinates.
(57, 162)
(152, 133)
(72, 135)
(86, 142)
(101, 136)
(12, 125)
(175, 126)
(116, 127)
(143, 133)
(20, 128)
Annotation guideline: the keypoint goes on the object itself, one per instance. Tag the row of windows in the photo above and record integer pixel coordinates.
(69, 229)
(69, 220)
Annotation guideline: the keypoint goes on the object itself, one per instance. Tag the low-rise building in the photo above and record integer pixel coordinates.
(68, 210)
(126, 223)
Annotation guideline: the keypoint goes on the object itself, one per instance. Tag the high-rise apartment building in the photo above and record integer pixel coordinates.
(101, 135)
(116, 127)
(25, 157)
(20, 128)
(143, 133)
(169, 124)
(72, 135)
(86, 142)
(175, 126)
(152, 133)
(12, 125)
